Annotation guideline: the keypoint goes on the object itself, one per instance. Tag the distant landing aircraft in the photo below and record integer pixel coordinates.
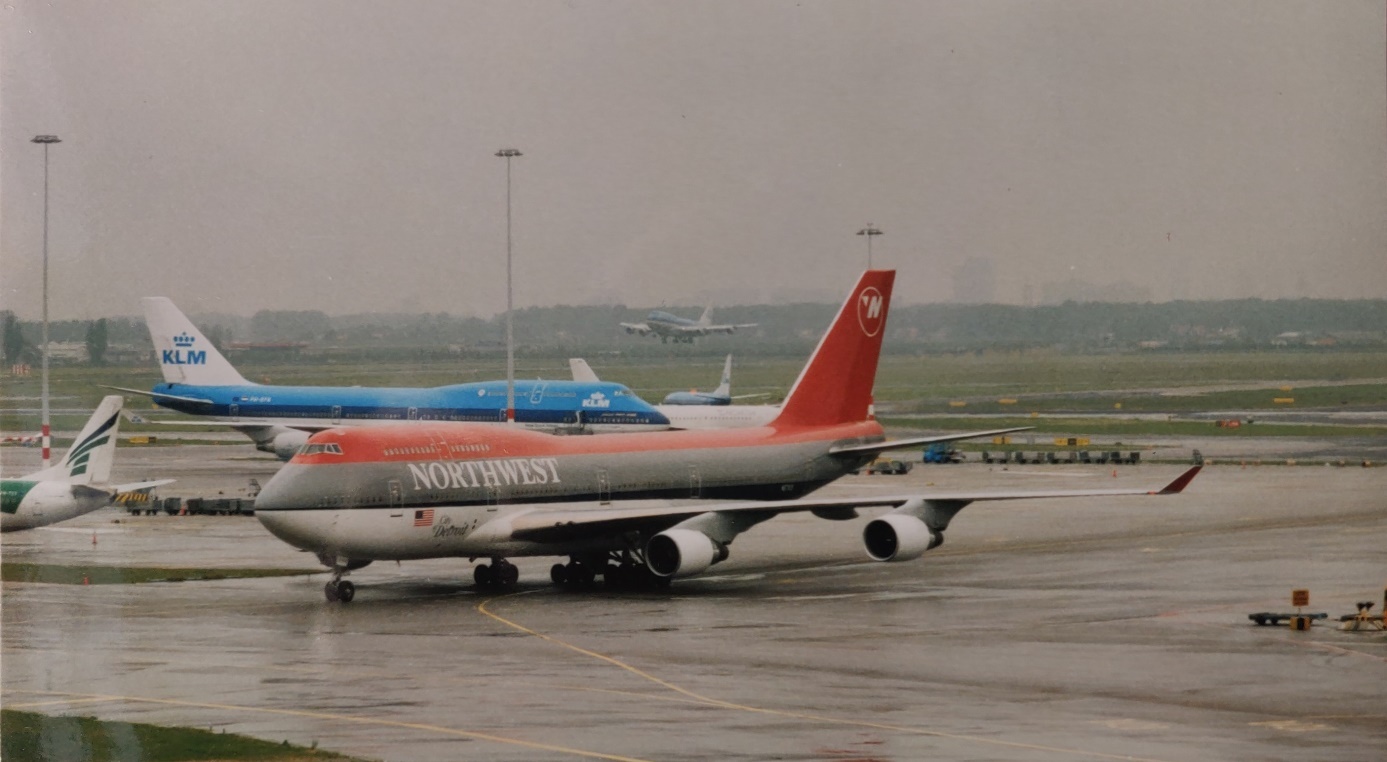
(77, 484)
(667, 326)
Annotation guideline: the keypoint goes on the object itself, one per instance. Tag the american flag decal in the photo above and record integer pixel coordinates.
(423, 518)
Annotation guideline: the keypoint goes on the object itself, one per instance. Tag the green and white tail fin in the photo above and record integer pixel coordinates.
(89, 459)
(185, 356)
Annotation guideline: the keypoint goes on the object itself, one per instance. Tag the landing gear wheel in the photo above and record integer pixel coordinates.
(507, 575)
(558, 574)
(482, 575)
(330, 592)
(346, 591)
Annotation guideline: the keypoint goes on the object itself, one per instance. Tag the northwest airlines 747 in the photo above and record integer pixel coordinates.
(633, 508)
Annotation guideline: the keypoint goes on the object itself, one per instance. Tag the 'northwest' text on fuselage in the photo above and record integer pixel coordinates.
(456, 474)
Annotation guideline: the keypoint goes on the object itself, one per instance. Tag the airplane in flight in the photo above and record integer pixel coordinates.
(700, 410)
(77, 484)
(667, 326)
(634, 509)
(200, 381)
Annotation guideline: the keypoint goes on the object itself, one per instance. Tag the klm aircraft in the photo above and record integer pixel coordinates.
(199, 381)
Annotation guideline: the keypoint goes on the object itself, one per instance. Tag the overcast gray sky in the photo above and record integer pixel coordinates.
(334, 155)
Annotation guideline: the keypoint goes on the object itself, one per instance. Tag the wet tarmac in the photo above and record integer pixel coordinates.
(1045, 630)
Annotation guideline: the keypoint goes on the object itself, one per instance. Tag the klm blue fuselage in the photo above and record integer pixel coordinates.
(537, 403)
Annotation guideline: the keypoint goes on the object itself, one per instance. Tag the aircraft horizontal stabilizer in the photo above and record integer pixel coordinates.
(900, 444)
(159, 395)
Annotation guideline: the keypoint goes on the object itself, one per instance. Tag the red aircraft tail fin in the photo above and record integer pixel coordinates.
(836, 386)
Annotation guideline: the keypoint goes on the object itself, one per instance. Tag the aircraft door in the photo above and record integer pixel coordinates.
(234, 411)
(604, 486)
(413, 414)
(695, 482)
(537, 394)
(395, 497)
(336, 413)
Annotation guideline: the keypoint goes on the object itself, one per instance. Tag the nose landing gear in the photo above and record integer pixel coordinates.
(339, 591)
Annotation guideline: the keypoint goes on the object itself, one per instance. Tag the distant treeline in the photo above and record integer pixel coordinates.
(785, 329)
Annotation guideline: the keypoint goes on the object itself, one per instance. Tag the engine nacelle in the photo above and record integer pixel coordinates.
(899, 537)
(682, 552)
(285, 445)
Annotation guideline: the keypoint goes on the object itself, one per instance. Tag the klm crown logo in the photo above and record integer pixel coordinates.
(181, 354)
(597, 399)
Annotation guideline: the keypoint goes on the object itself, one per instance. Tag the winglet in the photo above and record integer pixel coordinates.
(1181, 481)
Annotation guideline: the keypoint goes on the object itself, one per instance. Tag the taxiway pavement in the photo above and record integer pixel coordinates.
(1090, 629)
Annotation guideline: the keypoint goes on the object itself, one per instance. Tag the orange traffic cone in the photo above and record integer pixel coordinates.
(93, 538)
(84, 580)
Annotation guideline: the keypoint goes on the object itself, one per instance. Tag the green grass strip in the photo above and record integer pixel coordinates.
(1126, 427)
(32, 736)
(128, 575)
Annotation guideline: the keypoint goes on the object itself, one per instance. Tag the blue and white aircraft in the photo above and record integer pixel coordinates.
(667, 326)
(199, 381)
(700, 410)
(719, 396)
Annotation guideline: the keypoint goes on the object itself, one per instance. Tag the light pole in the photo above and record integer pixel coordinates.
(46, 434)
(508, 154)
(870, 231)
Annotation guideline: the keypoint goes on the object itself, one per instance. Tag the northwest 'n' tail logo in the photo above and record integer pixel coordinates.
(869, 310)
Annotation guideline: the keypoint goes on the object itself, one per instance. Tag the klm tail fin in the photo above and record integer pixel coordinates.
(89, 459)
(707, 317)
(725, 387)
(836, 385)
(185, 355)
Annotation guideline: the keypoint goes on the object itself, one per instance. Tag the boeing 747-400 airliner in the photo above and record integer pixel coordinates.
(631, 508)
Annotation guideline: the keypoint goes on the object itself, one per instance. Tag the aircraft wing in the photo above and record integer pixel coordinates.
(121, 489)
(640, 328)
(115, 491)
(726, 328)
(159, 396)
(569, 524)
(900, 444)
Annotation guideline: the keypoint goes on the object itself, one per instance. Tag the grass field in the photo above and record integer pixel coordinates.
(1040, 380)
(28, 735)
(125, 575)
(1111, 427)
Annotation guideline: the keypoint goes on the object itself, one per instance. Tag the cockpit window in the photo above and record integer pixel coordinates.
(328, 448)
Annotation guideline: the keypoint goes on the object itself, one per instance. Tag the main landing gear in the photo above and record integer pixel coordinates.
(500, 574)
(619, 571)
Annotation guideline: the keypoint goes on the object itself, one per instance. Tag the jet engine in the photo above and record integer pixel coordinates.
(682, 552)
(899, 537)
(286, 444)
